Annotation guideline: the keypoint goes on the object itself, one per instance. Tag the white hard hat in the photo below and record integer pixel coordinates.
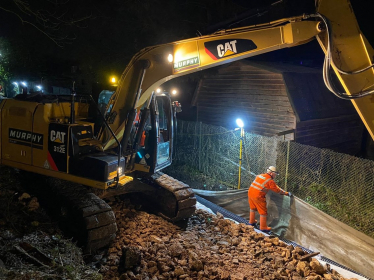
(272, 169)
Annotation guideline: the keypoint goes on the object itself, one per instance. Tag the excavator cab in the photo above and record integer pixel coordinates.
(155, 144)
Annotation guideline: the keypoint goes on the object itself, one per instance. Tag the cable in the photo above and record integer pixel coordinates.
(328, 62)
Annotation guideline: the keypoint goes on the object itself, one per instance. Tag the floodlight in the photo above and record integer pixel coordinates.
(240, 123)
(170, 58)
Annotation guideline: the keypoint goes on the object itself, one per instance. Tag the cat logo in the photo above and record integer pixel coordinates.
(229, 48)
(219, 49)
(57, 136)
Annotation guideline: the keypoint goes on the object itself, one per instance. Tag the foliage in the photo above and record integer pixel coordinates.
(193, 177)
(5, 74)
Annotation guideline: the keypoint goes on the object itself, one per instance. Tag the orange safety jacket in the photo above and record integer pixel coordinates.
(262, 184)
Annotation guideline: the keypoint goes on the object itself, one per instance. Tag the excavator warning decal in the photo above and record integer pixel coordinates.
(223, 48)
(51, 162)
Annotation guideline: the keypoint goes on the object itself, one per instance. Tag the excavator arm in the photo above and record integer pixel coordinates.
(350, 56)
(334, 26)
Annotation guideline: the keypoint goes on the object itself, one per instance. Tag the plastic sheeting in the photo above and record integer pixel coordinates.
(302, 223)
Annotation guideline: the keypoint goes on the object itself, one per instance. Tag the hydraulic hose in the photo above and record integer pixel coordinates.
(328, 62)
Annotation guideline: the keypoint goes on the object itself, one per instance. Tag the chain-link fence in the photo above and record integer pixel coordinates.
(338, 184)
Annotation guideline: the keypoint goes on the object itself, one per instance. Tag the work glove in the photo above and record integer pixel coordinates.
(288, 194)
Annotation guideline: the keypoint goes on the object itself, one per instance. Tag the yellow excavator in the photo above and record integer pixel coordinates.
(126, 149)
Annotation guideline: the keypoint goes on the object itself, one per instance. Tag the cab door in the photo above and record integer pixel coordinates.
(155, 150)
(164, 131)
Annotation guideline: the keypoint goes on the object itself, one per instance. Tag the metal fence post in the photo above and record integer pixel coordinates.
(288, 157)
(194, 136)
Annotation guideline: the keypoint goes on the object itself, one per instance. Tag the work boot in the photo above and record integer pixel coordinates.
(263, 224)
(252, 221)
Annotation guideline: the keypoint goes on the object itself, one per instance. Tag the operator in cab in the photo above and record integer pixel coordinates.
(257, 196)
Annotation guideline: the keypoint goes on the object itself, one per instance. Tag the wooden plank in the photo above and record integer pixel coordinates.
(332, 135)
(246, 110)
(267, 123)
(214, 86)
(264, 108)
(267, 102)
(329, 142)
(196, 93)
(282, 116)
(351, 132)
(249, 98)
(333, 127)
(310, 123)
(205, 90)
(228, 114)
(245, 78)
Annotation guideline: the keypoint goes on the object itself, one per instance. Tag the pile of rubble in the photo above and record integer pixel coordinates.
(31, 244)
(208, 247)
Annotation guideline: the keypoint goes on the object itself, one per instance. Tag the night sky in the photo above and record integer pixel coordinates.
(102, 36)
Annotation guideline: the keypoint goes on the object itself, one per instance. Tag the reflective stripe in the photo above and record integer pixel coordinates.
(258, 184)
(250, 210)
(263, 184)
(260, 187)
(265, 190)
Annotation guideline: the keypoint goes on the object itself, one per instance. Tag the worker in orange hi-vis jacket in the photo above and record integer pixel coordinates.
(257, 196)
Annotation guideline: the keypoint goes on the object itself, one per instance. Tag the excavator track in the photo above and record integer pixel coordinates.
(80, 213)
(88, 218)
(175, 198)
(171, 199)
